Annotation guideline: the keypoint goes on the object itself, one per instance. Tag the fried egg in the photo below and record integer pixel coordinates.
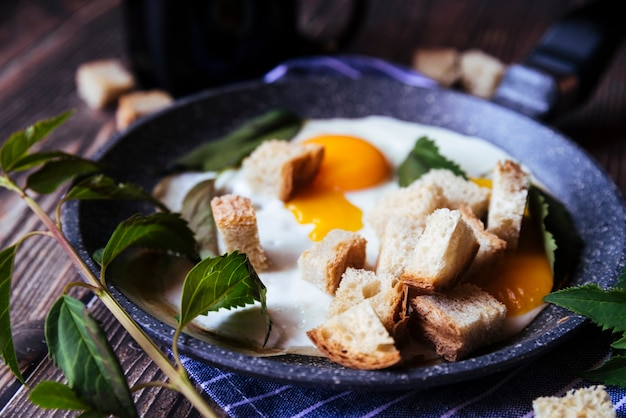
(358, 168)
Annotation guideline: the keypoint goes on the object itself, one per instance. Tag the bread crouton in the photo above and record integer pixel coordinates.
(235, 219)
(133, 106)
(356, 339)
(442, 254)
(460, 321)
(440, 64)
(490, 250)
(385, 293)
(100, 83)
(457, 190)
(400, 237)
(508, 202)
(481, 73)
(324, 263)
(278, 168)
(590, 402)
(415, 202)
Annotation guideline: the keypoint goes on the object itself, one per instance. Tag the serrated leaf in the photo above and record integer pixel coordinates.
(158, 231)
(424, 157)
(20, 142)
(55, 395)
(196, 210)
(229, 150)
(612, 372)
(56, 172)
(80, 349)
(606, 308)
(222, 282)
(101, 187)
(7, 260)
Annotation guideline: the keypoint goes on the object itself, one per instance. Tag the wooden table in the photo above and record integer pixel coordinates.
(42, 42)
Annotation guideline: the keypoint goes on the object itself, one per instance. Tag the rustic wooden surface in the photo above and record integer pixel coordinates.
(42, 42)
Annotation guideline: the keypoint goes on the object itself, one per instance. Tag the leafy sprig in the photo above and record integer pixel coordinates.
(77, 344)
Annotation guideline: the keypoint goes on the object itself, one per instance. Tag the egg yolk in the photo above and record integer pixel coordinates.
(349, 164)
(524, 276)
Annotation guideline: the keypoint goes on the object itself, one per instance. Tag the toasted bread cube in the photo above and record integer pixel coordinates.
(100, 83)
(385, 293)
(357, 339)
(235, 219)
(133, 106)
(397, 244)
(415, 202)
(490, 250)
(592, 401)
(442, 254)
(279, 168)
(460, 321)
(440, 64)
(456, 190)
(325, 262)
(508, 201)
(481, 73)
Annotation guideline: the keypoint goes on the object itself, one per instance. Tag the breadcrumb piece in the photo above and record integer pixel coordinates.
(589, 402)
(100, 83)
(133, 106)
(235, 219)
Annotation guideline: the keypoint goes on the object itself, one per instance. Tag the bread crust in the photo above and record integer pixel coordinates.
(460, 321)
(356, 339)
(279, 168)
(133, 106)
(99, 83)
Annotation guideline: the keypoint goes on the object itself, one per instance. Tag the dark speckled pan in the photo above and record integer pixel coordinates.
(565, 169)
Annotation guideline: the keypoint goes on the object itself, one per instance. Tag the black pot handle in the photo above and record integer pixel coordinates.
(566, 65)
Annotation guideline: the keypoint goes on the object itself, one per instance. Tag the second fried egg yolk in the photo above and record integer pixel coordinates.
(349, 164)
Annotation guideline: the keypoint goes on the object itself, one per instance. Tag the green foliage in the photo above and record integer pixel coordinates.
(54, 395)
(79, 347)
(228, 151)
(424, 157)
(158, 231)
(7, 260)
(197, 211)
(223, 282)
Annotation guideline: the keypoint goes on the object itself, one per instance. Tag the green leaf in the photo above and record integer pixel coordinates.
(229, 150)
(54, 395)
(101, 187)
(56, 172)
(424, 157)
(620, 344)
(158, 231)
(613, 372)
(196, 210)
(20, 142)
(79, 347)
(7, 260)
(38, 158)
(558, 222)
(606, 308)
(621, 281)
(227, 281)
(539, 210)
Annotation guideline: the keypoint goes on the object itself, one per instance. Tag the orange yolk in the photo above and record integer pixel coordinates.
(524, 276)
(349, 164)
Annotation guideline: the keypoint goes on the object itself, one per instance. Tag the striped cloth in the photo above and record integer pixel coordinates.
(504, 394)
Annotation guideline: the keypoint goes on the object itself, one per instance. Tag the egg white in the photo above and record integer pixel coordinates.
(295, 305)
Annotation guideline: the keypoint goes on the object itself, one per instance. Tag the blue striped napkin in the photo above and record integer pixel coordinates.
(504, 394)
